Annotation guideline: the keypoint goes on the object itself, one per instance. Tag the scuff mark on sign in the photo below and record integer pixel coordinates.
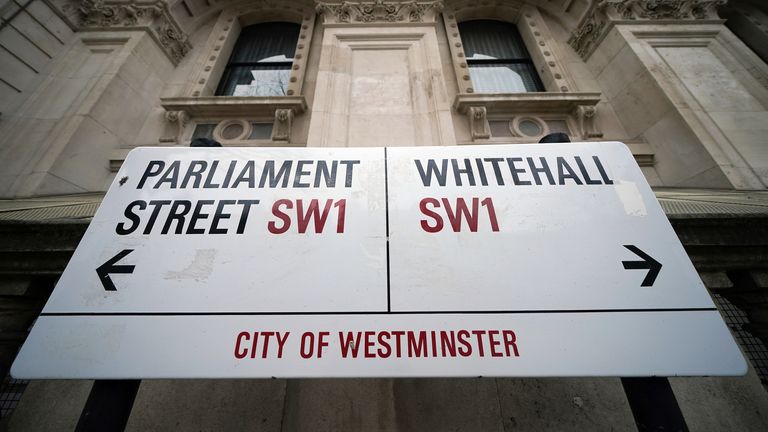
(199, 269)
(631, 198)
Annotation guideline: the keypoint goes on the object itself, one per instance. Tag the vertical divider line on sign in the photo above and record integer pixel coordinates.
(386, 213)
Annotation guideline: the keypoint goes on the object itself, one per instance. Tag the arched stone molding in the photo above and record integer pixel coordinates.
(560, 102)
(198, 100)
(225, 32)
(533, 28)
(193, 14)
(466, 11)
(565, 12)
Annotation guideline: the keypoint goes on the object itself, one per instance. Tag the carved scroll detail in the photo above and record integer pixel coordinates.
(381, 11)
(478, 123)
(585, 118)
(281, 130)
(179, 119)
(151, 16)
(593, 26)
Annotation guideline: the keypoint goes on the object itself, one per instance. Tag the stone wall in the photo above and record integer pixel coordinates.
(109, 76)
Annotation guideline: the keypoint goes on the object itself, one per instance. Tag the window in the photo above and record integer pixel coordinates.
(497, 59)
(261, 61)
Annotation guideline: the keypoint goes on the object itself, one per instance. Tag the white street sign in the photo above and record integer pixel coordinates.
(508, 260)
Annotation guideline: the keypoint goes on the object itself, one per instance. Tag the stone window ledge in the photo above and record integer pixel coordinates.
(539, 102)
(217, 107)
(577, 110)
(277, 109)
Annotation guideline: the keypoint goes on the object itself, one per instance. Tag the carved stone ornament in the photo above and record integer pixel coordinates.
(604, 13)
(585, 117)
(478, 123)
(180, 119)
(378, 11)
(281, 130)
(109, 15)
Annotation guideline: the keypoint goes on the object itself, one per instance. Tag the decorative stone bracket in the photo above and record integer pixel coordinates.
(584, 115)
(585, 118)
(181, 110)
(605, 13)
(580, 108)
(478, 122)
(151, 16)
(281, 130)
(179, 119)
(378, 11)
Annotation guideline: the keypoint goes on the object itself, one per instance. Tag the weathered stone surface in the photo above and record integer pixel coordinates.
(339, 405)
(208, 405)
(465, 404)
(564, 404)
(50, 406)
(720, 404)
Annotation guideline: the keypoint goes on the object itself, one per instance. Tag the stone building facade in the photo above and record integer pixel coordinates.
(684, 83)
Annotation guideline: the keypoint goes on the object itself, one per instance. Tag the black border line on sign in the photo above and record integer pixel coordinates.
(386, 215)
(493, 312)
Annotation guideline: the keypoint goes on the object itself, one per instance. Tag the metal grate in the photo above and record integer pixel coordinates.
(754, 348)
(10, 394)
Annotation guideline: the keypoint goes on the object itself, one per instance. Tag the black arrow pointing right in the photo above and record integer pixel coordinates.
(653, 266)
(109, 267)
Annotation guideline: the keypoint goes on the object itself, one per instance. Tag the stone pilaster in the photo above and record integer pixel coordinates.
(606, 13)
(681, 81)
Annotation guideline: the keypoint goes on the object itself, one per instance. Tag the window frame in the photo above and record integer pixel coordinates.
(259, 64)
(536, 37)
(198, 103)
(515, 36)
(560, 98)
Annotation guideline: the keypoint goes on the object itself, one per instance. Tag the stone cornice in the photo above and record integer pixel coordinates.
(378, 11)
(540, 102)
(605, 13)
(151, 16)
(215, 107)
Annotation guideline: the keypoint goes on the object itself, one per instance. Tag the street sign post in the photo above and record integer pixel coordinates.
(508, 260)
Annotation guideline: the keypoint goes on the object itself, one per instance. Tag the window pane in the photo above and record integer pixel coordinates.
(203, 130)
(256, 81)
(558, 126)
(504, 78)
(500, 128)
(264, 43)
(261, 131)
(488, 40)
(261, 61)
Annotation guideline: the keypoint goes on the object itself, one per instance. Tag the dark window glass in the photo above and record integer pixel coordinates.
(261, 131)
(261, 61)
(497, 59)
(204, 130)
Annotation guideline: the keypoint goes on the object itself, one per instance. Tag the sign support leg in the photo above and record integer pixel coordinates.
(653, 404)
(109, 405)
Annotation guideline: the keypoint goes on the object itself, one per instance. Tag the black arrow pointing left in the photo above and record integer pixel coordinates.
(109, 267)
